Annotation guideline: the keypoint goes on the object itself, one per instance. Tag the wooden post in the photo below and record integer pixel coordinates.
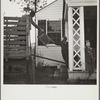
(27, 36)
(30, 71)
(7, 45)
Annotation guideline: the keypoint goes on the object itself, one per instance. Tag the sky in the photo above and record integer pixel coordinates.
(13, 9)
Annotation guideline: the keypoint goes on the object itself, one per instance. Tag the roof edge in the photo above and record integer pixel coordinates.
(47, 6)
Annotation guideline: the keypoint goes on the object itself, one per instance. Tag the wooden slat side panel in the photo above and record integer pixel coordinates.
(16, 34)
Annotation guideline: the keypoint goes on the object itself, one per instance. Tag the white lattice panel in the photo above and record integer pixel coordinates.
(76, 38)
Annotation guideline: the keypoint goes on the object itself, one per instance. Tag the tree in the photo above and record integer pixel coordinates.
(30, 5)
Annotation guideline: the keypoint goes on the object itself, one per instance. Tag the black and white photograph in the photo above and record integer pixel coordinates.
(50, 42)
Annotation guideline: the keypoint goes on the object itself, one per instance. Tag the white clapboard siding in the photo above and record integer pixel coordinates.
(52, 11)
(50, 52)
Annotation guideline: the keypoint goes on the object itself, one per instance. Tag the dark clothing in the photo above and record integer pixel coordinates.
(64, 50)
(90, 60)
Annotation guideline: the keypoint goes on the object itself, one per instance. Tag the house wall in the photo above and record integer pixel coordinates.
(50, 52)
(52, 12)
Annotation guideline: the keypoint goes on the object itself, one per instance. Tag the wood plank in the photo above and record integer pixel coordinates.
(7, 51)
(14, 42)
(20, 47)
(16, 38)
(48, 59)
(14, 33)
(15, 28)
(16, 54)
(14, 18)
(15, 23)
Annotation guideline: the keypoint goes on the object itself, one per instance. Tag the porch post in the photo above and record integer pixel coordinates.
(82, 38)
(70, 39)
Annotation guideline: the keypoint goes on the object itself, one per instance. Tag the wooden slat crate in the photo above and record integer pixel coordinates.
(16, 33)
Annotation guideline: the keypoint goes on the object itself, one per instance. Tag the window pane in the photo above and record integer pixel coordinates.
(42, 24)
(54, 26)
(54, 31)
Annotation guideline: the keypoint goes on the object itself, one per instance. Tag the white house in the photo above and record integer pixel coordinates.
(75, 19)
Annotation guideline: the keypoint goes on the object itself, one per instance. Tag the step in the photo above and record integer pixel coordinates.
(81, 75)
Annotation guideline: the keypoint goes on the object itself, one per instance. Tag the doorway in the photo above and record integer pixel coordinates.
(90, 26)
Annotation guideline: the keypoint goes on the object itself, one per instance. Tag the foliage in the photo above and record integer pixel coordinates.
(28, 5)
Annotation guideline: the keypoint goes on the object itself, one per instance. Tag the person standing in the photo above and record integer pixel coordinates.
(90, 58)
(64, 51)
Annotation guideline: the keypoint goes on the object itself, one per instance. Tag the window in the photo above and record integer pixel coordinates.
(53, 30)
(42, 24)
